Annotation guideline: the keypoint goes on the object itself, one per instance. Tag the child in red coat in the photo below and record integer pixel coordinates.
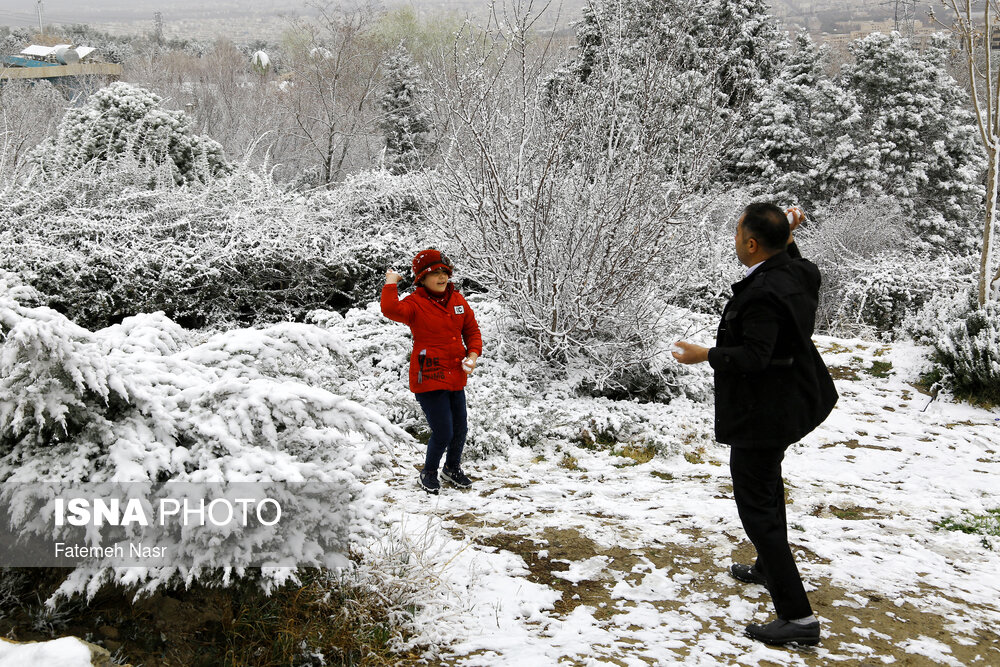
(446, 346)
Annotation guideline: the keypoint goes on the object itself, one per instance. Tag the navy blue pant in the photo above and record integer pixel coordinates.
(446, 415)
(760, 500)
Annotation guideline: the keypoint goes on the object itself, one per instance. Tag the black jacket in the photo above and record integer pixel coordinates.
(771, 385)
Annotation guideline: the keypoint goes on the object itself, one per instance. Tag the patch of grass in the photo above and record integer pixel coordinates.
(695, 457)
(569, 462)
(346, 625)
(927, 380)
(843, 373)
(594, 438)
(665, 476)
(973, 524)
(880, 369)
(638, 453)
(539, 458)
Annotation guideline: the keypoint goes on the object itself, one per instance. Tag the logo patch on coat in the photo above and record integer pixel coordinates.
(459, 310)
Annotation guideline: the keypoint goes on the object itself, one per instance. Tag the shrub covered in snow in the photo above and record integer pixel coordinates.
(123, 119)
(968, 354)
(146, 402)
(873, 280)
(238, 250)
(706, 265)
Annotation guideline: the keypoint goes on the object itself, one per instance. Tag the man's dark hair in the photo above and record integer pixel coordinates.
(767, 223)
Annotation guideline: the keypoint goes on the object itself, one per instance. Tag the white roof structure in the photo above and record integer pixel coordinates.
(38, 51)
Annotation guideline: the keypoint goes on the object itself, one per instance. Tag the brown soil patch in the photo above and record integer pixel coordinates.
(210, 627)
(854, 444)
(159, 630)
(883, 625)
(561, 544)
(843, 373)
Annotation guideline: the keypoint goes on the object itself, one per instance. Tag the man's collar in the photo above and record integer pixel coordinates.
(746, 274)
(780, 259)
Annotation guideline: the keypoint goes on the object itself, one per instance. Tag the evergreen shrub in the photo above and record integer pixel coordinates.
(968, 354)
(123, 119)
(147, 402)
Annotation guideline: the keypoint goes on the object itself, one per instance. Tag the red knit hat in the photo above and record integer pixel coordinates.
(430, 260)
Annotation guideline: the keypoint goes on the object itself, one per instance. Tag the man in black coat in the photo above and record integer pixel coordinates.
(771, 389)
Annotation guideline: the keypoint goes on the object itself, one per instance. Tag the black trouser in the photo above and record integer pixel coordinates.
(446, 415)
(760, 500)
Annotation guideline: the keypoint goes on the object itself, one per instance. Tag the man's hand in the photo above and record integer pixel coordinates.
(795, 217)
(690, 353)
(391, 277)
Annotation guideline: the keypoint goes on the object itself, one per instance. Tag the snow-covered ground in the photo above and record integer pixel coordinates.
(576, 556)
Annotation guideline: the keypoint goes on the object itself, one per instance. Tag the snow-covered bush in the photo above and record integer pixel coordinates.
(237, 250)
(563, 192)
(873, 279)
(123, 119)
(145, 402)
(968, 354)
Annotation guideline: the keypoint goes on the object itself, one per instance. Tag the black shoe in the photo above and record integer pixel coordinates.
(747, 574)
(456, 477)
(429, 481)
(779, 632)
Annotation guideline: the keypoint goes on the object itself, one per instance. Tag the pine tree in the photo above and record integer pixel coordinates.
(712, 61)
(406, 123)
(800, 144)
(735, 42)
(921, 139)
(747, 45)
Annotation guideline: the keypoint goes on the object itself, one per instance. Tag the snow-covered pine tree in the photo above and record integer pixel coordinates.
(735, 42)
(800, 143)
(719, 56)
(922, 140)
(744, 43)
(122, 118)
(405, 123)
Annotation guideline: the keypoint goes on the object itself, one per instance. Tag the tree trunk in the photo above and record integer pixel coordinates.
(987, 284)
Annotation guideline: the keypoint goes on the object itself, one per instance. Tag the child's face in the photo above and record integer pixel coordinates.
(436, 281)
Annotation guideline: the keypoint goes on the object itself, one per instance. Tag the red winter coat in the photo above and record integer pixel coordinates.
(442, 336)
